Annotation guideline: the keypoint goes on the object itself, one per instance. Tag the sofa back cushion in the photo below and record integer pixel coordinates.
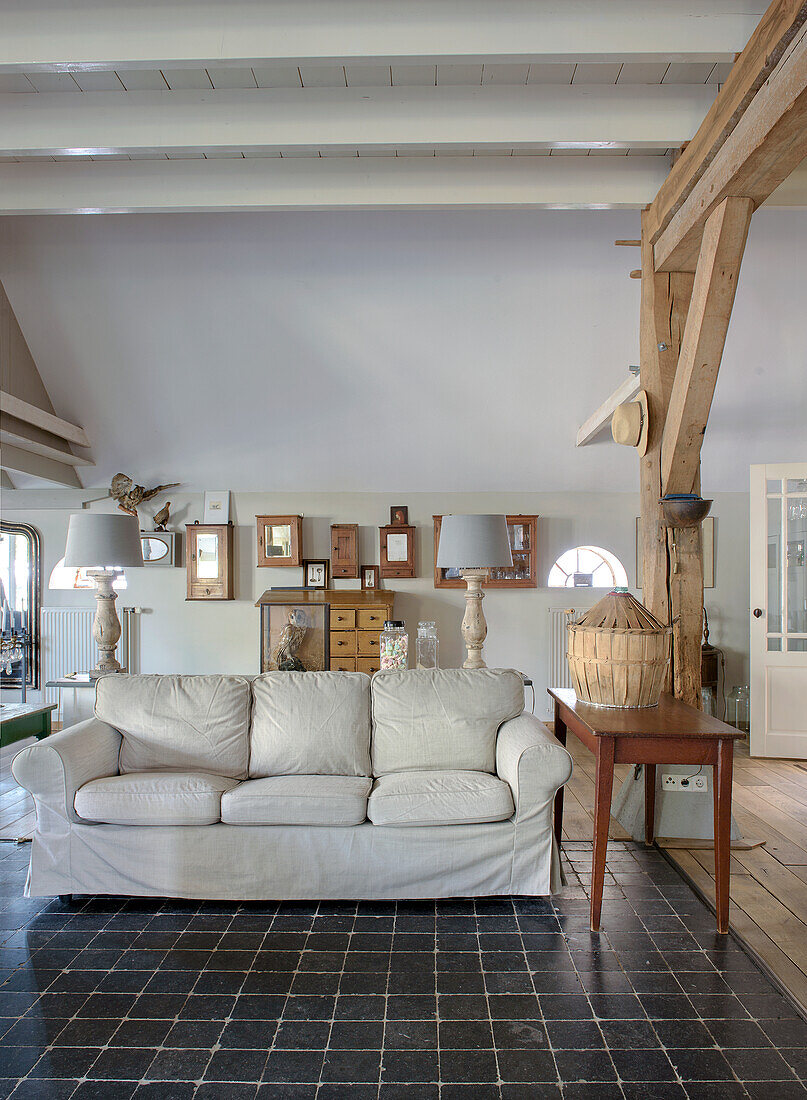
(441, 720)
(178, 722)
(310, 723)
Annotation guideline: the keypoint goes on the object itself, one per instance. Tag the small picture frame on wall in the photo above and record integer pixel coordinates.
(399, 515)
(369, 577)
(217, 506)
(315, 572)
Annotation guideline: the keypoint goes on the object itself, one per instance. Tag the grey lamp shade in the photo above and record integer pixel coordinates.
(96, 540)
(473, 542)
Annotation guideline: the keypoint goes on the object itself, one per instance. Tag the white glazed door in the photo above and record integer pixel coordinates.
(779, 610)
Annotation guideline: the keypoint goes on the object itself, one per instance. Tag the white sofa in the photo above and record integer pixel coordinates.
(416, 784)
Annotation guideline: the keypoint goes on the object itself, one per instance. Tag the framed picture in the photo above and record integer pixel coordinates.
(280, 540)
(315, 573)
(708, 537)
(159, 548)
(369, 577)
(397, 551)
(399, 516)
(523, 573)
(217, 506)
(294, 637)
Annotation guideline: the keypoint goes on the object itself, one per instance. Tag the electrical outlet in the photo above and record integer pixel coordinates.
(698, 783)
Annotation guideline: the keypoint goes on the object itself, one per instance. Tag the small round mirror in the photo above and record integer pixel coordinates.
(153, 548)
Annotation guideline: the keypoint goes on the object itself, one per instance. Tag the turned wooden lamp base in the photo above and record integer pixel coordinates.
(106, 628)
(474, 627)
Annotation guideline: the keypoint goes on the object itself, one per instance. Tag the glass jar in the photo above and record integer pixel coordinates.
(708, 701)
(394, 645)
(427, 644)
(738, 708)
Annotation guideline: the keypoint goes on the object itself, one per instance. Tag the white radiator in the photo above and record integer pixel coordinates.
(67, 644)
(558, 672)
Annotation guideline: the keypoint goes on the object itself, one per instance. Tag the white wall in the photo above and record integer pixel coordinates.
(380, 351)
(198, 637)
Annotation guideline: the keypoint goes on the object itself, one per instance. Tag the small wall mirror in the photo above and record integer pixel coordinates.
(158, 547)
(19, 600)
(280, 540)
(277, 540)
(207, 556)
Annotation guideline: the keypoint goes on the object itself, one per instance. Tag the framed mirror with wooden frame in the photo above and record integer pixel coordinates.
(280, 540)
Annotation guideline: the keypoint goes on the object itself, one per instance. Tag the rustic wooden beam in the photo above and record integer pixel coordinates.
(25, 462)
(602, 417)
(767, 144)
(702, 347)
(664, 305)
(8, 434)
(776, 30)
(40, 418)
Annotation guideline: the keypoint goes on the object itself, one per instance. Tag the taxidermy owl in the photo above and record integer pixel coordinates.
(291, 638)
(129, 496)
(161, 518)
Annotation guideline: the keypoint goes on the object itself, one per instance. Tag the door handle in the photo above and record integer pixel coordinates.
(757, 612)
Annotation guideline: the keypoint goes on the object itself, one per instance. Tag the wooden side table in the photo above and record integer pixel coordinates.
(671, 733)
(21, 720)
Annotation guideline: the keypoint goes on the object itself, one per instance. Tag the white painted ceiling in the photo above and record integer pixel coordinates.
(382, 351)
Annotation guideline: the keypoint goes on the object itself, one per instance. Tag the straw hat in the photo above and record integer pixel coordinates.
(629, 424)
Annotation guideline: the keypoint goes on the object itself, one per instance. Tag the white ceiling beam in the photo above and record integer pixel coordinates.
(600, 419)
(86, 34)
(24, 443)
(39, 418)
(418, 183)
(25, 462)
(260, 118)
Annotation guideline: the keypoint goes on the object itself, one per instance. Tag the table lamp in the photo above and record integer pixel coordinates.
(474, 544)
(102, 543)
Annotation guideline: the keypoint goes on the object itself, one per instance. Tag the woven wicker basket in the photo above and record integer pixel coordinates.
(618, 654)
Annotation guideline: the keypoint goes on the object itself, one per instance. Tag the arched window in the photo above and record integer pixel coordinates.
(588, 567)
(63, 577)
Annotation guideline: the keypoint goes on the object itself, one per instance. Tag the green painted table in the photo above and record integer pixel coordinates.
(21, 720)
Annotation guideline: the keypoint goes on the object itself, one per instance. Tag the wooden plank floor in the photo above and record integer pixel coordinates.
(17, 816)
(768, 883)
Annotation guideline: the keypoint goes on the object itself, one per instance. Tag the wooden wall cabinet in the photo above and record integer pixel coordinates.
(523, 532)
(209, 561)
(280, 540)
(397, 550)
(345, 550)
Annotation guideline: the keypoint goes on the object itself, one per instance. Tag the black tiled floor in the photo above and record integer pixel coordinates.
(500, 998)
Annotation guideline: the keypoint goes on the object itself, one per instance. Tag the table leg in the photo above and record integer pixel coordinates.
(603, 785)
(46, 726)
(649, 803)
(722, 804)
(560, 733)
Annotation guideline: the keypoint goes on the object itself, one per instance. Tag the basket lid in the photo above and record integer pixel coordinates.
(621, 611)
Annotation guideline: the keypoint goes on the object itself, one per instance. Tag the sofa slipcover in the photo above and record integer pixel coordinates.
(310, 723)
(153, 798)
(182, 722)
(439, 798)
(441, 720)
(297, 800)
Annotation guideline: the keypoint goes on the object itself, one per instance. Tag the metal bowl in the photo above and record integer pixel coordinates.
(685, 512)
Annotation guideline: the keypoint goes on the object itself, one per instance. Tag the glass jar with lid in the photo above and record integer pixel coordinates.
(427, 645)
(394, 645)
(738, 708)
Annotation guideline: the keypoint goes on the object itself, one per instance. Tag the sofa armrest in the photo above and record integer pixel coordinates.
(532, 762)
(53, 769)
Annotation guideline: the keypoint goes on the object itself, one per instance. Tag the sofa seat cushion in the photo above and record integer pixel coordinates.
(439, 798)
(297, 800)
(153, 798)
(310, 723)
(442, 719)
(188, 723)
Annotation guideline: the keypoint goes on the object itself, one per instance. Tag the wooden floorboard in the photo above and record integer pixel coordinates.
(17, 816)
(769, 883)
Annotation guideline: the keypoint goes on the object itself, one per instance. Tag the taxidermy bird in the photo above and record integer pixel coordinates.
(129, 496)
(291, 638)
(161, 517)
